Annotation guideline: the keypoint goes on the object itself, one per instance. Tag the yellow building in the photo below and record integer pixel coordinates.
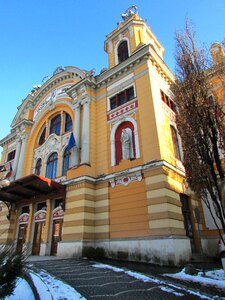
(120, 186)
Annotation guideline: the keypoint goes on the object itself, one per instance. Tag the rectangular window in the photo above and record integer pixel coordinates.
(113, 102)
(25, 209)
(41, 205)
(130, 93)
(122, 97)
(168, 101)
(11, 155)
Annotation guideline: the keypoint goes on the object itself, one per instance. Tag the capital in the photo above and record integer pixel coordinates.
(86, 101)
(74, 95)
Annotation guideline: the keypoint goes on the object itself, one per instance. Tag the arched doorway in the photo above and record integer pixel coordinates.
(39, 231)
(57, 218)
(22, 232)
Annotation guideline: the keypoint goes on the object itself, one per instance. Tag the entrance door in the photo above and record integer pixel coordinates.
(38, 237)
(21, 237)
(187, 220)
(56, 235)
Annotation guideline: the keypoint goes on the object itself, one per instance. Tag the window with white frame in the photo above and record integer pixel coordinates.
(122, 97)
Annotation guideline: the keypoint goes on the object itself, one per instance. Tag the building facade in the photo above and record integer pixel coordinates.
(96, 161)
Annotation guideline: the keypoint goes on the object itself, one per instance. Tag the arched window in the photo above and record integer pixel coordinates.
(122, 51)
(38, 167)
(42, 137)
(68, 123)
(66, 161)
(55, 125)
(125, 142)
(52, 163)
(176, 147)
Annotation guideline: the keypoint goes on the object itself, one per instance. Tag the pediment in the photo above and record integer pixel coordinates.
(41, 95)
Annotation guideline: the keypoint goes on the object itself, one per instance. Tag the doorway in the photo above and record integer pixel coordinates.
(56, 235)
(187, 220)
(39, 231)
(21, 237)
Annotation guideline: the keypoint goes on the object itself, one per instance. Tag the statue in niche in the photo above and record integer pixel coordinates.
(127, 144)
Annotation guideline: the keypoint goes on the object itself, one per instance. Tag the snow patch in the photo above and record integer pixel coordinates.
(171, 291)
(22, 291)
(58, 289)
(214, 278)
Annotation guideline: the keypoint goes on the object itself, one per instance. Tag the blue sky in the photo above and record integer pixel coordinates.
(37, 36)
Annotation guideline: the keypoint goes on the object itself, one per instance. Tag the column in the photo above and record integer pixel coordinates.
(85, 142)
(21, 157)
(16, 160)
(29, 236)
(75, 157)
(46, 243)
(47, 129)
(62, 125)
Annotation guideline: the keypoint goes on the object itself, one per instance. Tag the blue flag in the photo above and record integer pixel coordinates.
(72, 142)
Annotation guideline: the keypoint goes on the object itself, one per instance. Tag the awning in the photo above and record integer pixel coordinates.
(32, 187)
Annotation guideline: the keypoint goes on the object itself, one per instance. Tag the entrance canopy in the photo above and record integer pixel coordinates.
(32, 187)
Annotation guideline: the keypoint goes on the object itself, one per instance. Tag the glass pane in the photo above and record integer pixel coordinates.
(42, 137)
(55, 125)
(51, 170)
(121, 98)
(68, 123)
(113, 102)
(130, 93)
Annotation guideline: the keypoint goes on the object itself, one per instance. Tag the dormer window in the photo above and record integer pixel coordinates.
(122, 51)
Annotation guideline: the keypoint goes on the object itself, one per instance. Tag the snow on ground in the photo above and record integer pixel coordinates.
(214, 278)
(51, 288)
(48, 287)
(167, 287)
(54, 287)
(22, 291)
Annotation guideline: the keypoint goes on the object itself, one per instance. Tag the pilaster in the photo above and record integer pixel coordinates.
(85, 140)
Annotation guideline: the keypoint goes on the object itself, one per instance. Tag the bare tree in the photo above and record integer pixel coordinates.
(200, 121)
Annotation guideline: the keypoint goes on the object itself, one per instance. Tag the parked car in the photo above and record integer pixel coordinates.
(221, 248)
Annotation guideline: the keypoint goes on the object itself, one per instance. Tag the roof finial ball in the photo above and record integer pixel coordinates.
(132, 10)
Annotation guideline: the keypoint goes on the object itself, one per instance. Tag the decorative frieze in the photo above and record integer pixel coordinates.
(123, 110)
(57, 213)
(125, 180)
(23, 218)
(49, 99)
(40, 216)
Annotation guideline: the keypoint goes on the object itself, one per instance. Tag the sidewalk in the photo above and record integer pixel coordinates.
(125, 280)
(159, 271)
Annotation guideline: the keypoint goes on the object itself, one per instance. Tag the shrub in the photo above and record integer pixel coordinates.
(11, 266)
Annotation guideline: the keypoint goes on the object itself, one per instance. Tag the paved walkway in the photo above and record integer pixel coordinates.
(104, 283)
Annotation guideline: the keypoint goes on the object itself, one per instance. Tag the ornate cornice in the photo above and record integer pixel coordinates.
(68, 73)
(23, 124)
(80, 88)
(8, 139)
